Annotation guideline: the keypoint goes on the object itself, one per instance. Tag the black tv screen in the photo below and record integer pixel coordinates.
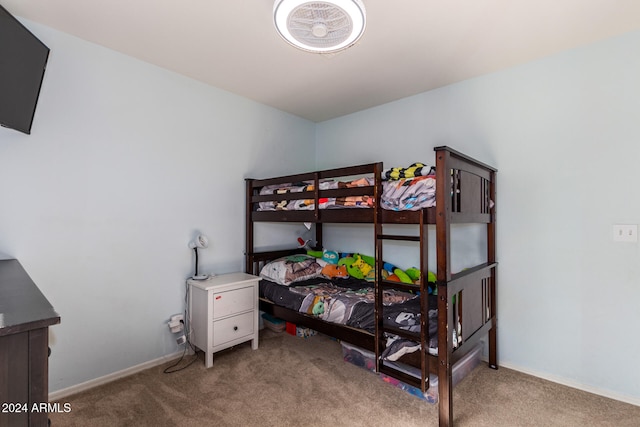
(23, 59)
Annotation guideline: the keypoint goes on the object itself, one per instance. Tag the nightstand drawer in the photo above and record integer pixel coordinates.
(235, 301)
(232, 328)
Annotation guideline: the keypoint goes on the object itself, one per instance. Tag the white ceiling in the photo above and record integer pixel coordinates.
(410, 46)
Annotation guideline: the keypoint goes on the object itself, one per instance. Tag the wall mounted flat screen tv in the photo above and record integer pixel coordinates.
(23, 59)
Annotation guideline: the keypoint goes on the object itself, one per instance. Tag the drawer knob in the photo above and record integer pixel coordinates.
(235, 328)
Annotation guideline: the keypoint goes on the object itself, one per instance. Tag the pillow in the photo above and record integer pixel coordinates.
(292, 268)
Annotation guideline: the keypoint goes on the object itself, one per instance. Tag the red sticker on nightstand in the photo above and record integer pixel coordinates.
(219, 296)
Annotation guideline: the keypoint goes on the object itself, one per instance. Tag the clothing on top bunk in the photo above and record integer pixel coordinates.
(363, 201)
(416, 169)
(409, 194)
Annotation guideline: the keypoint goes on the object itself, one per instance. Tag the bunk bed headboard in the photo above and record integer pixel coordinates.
(316, 216)
(465, 193)
(469, 179)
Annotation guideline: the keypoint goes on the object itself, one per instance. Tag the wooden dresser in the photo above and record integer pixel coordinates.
(25, 317)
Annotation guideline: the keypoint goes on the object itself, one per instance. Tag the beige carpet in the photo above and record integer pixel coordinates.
(291, 381)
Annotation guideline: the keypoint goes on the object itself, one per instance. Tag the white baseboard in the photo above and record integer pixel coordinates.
(633, 400)
(59, 394)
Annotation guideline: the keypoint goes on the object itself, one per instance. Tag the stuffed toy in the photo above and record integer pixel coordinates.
(330, 256)
(413, 273)
(371, 276)
(332, 270)
(352, 270)
(402, 276)
(315, 254)
(398, 275)
(431, 277)
(366, 258)
(388, 266)
(362, 265)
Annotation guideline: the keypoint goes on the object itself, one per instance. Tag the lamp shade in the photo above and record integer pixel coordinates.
(200, 241)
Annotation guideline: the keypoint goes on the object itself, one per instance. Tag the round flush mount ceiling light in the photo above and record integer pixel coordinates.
(320, 26)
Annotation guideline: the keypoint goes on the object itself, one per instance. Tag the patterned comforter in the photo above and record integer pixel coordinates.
(351, 302)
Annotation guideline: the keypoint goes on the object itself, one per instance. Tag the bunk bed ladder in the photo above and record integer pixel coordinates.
(380, 285)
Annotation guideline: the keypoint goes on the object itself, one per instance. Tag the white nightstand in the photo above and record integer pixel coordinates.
(223, 312)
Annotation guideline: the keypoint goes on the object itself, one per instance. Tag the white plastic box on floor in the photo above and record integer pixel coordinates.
(366, 359)
(460, 370)
(273, 323)
(358, 356)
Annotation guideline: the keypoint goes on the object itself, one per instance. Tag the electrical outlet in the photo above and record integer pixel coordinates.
(181, 340)
(625, 233)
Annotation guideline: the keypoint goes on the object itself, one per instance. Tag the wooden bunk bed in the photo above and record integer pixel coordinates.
(466, 301)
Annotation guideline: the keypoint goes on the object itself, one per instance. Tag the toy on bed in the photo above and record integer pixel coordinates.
(328, 256)
(362, 267)
(332, 271)
(355, 266)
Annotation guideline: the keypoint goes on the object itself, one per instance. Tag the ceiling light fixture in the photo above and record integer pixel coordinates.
(320, 26)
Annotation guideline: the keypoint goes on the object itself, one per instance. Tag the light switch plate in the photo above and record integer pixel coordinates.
(625, 233)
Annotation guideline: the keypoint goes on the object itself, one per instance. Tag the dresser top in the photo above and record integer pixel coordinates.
(22, 306)
(223, 279)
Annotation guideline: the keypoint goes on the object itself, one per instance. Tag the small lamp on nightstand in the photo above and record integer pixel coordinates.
(200, 241)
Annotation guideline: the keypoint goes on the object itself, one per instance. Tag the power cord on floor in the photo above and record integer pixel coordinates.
(170, 370)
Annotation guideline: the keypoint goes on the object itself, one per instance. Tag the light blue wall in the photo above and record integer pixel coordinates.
(125, 162)
(564, 133)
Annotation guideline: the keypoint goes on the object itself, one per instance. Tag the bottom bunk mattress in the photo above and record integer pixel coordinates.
(351, 302)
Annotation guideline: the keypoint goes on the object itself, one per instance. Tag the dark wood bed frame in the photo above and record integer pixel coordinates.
(465, 192)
